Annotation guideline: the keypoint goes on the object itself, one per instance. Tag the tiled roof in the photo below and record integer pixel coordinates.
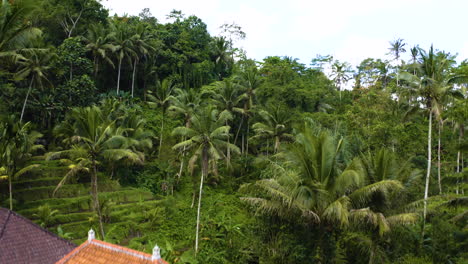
(99, 252)
(22, 241)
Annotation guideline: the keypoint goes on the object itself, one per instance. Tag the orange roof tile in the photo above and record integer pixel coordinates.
(99, 252)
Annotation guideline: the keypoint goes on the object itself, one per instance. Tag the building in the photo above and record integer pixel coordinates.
(96, 251)
(23, 242)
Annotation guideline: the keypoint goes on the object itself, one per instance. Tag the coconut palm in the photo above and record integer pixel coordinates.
(100, 44)
(17, 146)
(397, 47)
(184, 104)
(341, 73)
(35, 67)
(161, 97)
(432, 83)
(15, 29)
(124, 48)
(228, 96)
(94, 141)
(274, 125)
(207, 138)
(250, 80)
(141, 47)
(312, 183)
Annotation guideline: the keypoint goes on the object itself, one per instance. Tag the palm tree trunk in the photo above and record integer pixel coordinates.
(133, 76)
(247, 139)
(26, 100)
(118, 75)
(438, 159)
(228, 151)
(204, 173)
(161, 137)
(95, 67)
(94, 191)
(429, 157)
(277, 144)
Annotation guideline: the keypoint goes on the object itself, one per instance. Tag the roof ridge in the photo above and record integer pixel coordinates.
(35, 226)
(121, 249)
(6, 222)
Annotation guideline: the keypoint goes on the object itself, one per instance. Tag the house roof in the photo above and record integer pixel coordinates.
(96, 251)
(22, 241)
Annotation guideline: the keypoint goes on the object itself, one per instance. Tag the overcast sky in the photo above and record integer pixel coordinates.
(350, 30)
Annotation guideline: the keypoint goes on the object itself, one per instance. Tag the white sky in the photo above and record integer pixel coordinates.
(350, 30)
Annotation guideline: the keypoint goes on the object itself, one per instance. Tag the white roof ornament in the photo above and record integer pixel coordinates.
(91, 235)
(156, 253)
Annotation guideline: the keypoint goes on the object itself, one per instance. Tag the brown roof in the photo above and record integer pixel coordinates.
(22, 241)
(99, 252)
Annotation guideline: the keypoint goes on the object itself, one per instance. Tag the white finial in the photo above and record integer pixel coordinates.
(91, 234)
(156, 253)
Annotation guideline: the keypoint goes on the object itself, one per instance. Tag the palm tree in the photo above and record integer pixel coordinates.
(222, 55)
(228, 96)
(432, 83)
(35, 66)
(206, 138)
(94, 140)
(100, 43)
(250, 80)
(161, 97)
(312, 183)
(141, 47)
(184, 104)
(123, 46)
(17, 145)
(396, 48)
(274, 125)
(15, 29)
(341, 73)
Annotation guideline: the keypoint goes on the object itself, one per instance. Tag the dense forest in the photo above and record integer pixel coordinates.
(154, 132)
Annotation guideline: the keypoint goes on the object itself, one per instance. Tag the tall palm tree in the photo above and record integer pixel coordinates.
(432, 83)
(35, 67)
(184, 104)
(397, 47)
(206, 139)
(341, 73)
(274, 125)
(15, 29)
(100, 44)
(141, 47)
(250, 79)
(311, 184)
(222, 55)
(123, 47)
(228, 96)
(161, 97)
(94, 140)
(17, 145)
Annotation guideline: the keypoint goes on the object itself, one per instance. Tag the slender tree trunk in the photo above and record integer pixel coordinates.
(133, 76)
(97, 206)
(238, 130)
(96, 66)
(26, 100)
(247, 139)
(429, 157)
(161, 137)
(228, 151)
(204, 173)
(438, 159)
(277, 144)
(458, 160)
(118, 76)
